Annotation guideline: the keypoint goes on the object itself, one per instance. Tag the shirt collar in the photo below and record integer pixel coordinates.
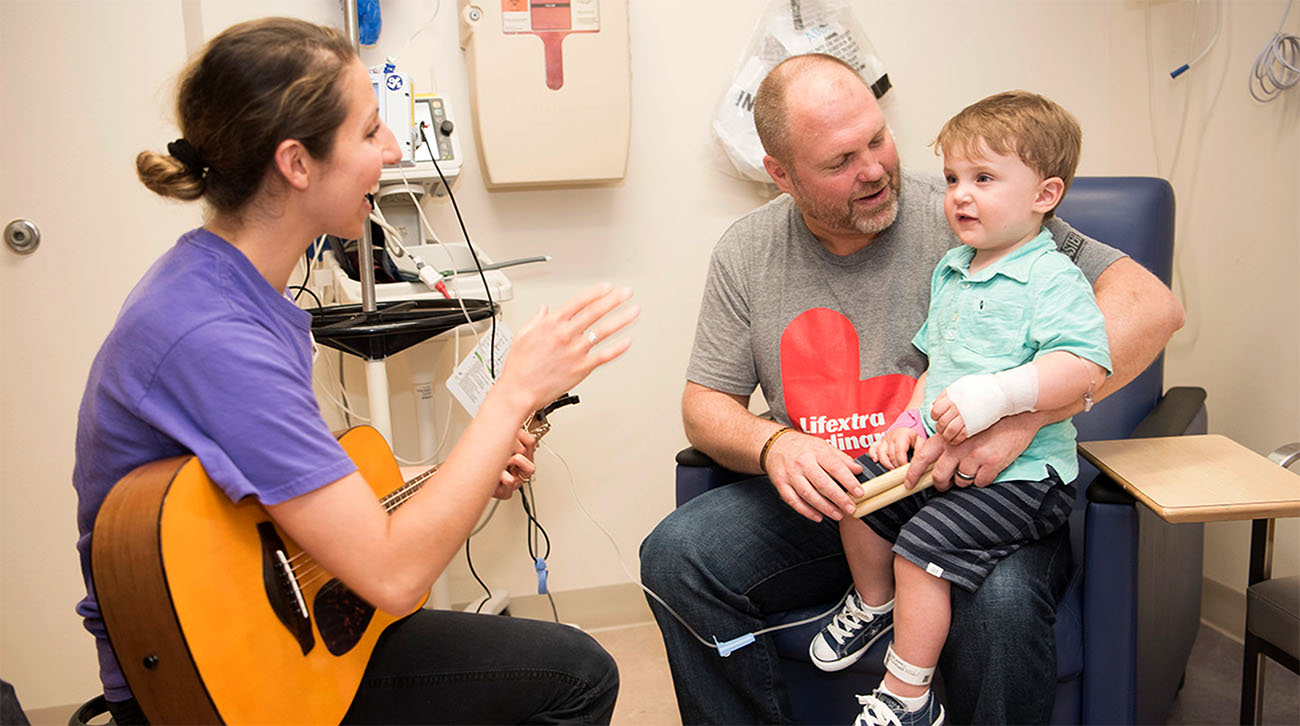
(1015, 265)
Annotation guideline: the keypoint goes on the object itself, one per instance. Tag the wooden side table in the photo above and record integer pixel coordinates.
(1206, 478)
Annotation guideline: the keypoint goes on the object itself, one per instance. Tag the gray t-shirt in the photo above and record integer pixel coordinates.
(829, 337)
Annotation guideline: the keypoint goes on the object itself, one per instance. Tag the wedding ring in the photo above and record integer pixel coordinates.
(591, 337)
(963, 477)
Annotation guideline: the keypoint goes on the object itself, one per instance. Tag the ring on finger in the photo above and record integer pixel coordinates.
(591, 337)
(964, 477)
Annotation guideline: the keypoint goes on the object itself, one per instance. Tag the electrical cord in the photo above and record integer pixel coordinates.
(303, 288)
(423, 26)
(487, 290)
(487, 592)
(725, 648)
(348, 413)
(425, 273)
(1218, 26)
(396, 247)
(319, 247)
(533, 529)
(1277, 67)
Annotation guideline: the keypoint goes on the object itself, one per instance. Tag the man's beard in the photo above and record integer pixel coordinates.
(846, 216)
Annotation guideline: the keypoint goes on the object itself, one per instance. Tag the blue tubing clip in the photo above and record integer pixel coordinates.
(731, 646)
(541, 576)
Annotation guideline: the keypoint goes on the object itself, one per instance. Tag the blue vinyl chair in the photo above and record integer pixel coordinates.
(1126, 623)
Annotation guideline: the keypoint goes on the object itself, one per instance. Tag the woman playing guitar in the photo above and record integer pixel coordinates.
(282, 140)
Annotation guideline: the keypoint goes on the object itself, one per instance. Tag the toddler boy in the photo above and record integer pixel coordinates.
(1013, 326)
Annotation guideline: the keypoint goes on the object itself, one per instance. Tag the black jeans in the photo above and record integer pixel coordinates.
(440, 666)
(445, 667)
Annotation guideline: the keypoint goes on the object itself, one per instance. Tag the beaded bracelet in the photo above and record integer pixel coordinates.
(762, 455)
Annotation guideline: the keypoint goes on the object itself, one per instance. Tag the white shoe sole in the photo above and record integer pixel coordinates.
(831, 666)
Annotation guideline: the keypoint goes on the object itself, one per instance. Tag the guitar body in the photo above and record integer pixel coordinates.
(203, 614)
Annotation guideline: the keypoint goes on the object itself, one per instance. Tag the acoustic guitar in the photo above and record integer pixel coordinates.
(216, 616)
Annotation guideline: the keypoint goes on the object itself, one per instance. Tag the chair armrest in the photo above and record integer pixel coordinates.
(1180, 411)
(1285, 456)
(691, 456)
(697, 473)
(1174, 414)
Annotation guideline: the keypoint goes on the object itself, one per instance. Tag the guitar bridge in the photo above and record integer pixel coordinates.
(287, 572)
(282, 590)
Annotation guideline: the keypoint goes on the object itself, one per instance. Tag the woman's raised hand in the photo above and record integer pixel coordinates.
(556, 350)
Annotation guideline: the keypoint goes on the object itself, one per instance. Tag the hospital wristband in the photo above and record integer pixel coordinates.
(762, 455)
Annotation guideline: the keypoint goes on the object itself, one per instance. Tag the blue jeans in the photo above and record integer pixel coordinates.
(735, 553)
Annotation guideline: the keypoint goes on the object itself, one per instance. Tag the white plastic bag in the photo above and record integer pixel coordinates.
(787, 28)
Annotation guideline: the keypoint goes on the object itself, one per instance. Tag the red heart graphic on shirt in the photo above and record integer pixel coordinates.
(824, 396)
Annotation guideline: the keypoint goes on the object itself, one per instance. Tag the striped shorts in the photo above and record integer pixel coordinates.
(962, 533)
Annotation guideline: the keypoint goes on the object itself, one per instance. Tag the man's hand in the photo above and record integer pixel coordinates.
(813, 477)
(981, 457)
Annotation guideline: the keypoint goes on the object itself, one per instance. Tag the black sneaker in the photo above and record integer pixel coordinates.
(849, 634)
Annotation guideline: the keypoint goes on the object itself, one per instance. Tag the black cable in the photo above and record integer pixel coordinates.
(533, 524)
(303, 288)
(487, 593)
(534, 527)
(492, 355)
(306, 278)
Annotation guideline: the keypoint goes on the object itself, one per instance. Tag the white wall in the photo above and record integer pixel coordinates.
(1237, 180)
(1233, 163)
(82, 92)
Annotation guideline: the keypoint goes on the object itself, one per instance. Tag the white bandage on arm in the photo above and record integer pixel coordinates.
(983, 398)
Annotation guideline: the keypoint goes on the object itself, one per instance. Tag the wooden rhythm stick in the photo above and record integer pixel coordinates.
(889, 488)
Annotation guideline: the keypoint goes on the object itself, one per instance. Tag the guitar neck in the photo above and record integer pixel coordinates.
(536, 424)
(398, 496)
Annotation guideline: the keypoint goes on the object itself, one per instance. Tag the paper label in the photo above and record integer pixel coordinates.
(515, 16)
(586, 15)
(470, 382)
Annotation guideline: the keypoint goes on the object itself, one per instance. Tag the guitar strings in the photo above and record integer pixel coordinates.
(306, 571)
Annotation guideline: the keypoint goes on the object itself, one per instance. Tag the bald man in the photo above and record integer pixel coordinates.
(816, 296)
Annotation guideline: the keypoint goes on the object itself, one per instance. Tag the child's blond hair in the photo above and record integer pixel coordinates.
(1046, 137)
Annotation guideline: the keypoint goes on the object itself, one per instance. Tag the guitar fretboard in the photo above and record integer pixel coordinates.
(398, 496)
(537, 425)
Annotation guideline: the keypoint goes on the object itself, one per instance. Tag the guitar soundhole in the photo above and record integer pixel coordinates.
(341, 616)
(281, 591)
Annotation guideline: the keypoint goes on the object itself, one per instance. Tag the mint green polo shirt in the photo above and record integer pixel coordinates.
(1032, 302)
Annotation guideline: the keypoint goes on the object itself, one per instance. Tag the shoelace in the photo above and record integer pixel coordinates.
(849, 621)
(877, 711)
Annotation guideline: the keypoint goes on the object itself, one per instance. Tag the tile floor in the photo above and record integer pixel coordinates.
(646, 698)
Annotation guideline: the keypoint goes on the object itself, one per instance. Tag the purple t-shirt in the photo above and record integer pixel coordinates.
(205, 358)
